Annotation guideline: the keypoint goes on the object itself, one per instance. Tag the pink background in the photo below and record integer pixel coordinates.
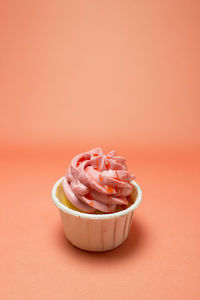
(122, 75)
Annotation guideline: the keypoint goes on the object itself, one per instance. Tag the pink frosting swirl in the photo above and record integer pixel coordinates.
(95, 181)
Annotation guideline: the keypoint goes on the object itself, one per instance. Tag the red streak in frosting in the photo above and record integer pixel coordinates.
(82, 159)
(107, 164)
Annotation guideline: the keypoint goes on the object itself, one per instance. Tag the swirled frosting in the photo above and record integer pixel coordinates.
(95, 181)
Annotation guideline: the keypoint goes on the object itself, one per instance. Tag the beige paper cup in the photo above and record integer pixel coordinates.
(100, 232)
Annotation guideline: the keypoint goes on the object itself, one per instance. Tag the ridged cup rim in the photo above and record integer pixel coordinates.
(95, 216)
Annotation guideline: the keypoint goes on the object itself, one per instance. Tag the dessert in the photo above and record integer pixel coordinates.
(96, 199)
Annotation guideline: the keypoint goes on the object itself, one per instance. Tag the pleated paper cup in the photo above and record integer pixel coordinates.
(96, 232)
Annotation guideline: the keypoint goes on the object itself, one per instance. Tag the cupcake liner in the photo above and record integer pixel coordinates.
(96, 232)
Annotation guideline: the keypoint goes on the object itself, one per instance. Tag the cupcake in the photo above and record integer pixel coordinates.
(96, 199)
